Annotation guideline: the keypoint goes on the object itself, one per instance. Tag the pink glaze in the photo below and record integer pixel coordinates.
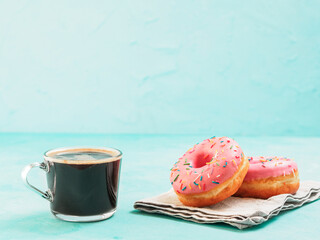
(206, 165)
(265, 167)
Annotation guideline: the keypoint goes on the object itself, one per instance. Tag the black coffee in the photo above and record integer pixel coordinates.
(82, 188)
(82, 155)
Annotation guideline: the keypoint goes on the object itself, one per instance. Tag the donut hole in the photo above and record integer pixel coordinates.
(201, 159)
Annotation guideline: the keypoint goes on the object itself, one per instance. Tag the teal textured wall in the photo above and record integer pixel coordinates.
(216, 67)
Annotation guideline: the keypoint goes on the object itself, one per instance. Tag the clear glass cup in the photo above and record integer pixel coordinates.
(82, 182)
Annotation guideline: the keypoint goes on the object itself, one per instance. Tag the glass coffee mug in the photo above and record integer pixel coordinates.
(82, 182)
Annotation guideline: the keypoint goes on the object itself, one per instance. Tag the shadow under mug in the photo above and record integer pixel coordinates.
(82, 182)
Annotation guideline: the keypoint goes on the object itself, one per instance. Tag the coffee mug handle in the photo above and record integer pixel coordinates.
(48, 194)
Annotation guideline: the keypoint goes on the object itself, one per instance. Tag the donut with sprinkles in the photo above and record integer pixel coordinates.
(209, 172)
(270, 176)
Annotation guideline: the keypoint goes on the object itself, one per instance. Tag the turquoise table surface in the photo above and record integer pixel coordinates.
(145, 172)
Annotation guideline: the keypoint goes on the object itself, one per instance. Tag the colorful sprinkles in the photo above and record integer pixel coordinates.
(234, 162)
(176, 178)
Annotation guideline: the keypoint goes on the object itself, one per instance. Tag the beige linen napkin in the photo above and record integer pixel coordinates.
(238, 212)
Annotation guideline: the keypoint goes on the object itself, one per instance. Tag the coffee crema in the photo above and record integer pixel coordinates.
(83, 155)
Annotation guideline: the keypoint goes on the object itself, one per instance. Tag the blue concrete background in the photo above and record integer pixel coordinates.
(207, 67)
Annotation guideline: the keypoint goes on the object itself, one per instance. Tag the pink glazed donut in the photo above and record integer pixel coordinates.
(209, 172)
(269, 176)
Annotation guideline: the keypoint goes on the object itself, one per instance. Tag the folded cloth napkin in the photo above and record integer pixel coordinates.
(238, 212)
